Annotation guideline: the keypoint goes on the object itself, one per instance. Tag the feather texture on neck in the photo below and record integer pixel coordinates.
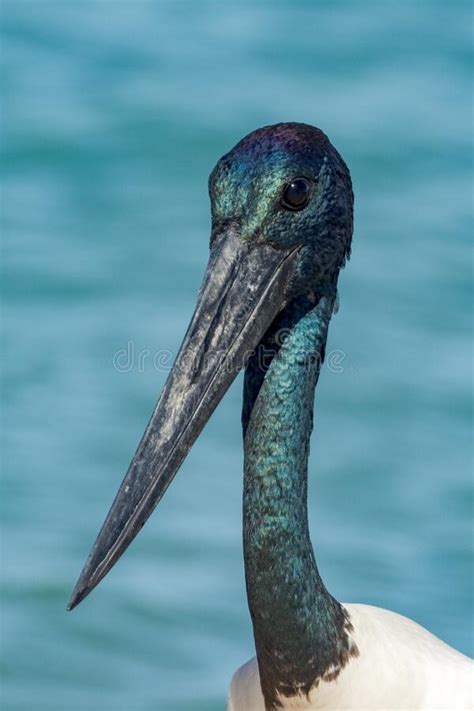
(301, 631)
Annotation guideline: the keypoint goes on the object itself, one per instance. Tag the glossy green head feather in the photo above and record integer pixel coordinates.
(247, 187)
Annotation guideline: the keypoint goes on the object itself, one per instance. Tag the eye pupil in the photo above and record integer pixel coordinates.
(296, 194)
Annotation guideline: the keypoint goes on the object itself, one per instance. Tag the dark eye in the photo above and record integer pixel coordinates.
(296, 194)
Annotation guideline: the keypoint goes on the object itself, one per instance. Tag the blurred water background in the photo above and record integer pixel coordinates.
(115, 114)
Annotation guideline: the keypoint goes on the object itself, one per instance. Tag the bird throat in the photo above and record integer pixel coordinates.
(301, 632)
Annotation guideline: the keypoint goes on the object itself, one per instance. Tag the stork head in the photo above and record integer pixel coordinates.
(281, 203)
(286, 186)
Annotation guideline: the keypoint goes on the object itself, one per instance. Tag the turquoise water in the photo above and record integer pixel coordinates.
(116, 112)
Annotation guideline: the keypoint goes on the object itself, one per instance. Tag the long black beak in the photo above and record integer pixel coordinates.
(243, 290)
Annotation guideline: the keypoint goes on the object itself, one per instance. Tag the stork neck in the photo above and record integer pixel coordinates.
(300, 630)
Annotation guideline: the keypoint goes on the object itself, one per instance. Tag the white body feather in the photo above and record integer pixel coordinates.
(400, 666)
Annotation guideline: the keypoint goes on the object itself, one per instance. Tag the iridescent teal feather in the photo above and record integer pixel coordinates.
(300, 630)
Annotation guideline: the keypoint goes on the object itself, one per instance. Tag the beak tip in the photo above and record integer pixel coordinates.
(78, 594)
(74, 601)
